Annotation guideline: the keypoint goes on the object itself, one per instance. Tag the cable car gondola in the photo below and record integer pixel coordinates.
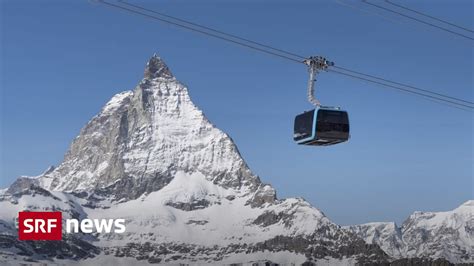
(323, 125)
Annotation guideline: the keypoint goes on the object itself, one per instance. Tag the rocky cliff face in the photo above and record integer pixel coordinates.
(141, 138)
(448, 235)
(387, 235)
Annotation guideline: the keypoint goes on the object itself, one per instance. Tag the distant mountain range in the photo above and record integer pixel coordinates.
(151, 157)
(448, 235)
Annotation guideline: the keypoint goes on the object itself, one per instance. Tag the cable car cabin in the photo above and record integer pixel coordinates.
(321, 127)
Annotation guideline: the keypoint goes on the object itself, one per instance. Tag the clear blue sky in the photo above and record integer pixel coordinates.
(62, 60)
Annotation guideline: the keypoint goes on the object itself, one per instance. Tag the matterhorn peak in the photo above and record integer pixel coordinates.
(157, 68)
(143, 137)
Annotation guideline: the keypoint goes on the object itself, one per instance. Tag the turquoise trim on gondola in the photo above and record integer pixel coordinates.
(313, 133)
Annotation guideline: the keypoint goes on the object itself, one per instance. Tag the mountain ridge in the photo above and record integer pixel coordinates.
(445, 234)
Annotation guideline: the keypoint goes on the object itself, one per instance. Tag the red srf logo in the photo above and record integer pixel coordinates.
(39, 226)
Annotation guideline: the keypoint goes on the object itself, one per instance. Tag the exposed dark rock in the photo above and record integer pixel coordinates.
(198, 222)
(269, 218)
(190, 206)
(264, 194)
(420, 262)
(27, 186)
(156, 68)
(313, 250)
(70, 247)
(131, 188)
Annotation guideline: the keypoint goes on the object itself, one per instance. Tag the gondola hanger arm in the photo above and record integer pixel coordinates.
(315, 64)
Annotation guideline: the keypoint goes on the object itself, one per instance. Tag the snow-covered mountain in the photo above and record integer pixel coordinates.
(141, 138)
(387, 235)
(448, 235)
(151, 157)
